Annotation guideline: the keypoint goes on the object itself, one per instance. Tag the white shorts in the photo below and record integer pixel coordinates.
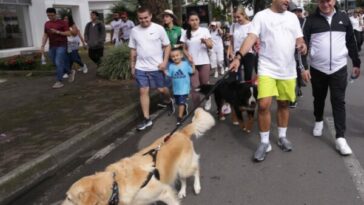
(217, 57)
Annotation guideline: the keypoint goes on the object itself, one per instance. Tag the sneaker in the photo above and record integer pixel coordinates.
(146, 123)
(72, 76)
(171, 107)
(262, 151)
(342, 146)
(186, 110)
(216, 74)
(317, 130)
(208, 104)
(65, 76)
(179, 121)
(226, 69)
(84, 69)
(293, 104)
(222, 72)
(57, 85)
(285, 144)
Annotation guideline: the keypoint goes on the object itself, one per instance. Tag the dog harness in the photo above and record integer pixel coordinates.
(114, 198)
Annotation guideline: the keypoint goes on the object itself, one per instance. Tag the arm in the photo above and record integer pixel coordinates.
(81, 38)
(230, 52)
(166, 52)
(44, 41)
(85, 34)
(187, 54)
(244, 49)
(133, 55)
(208, 42)
(353, 50)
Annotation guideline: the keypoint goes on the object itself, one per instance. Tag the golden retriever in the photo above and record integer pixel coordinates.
(175, 159)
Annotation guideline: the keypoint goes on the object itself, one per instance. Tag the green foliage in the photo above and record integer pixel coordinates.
(311, 7)
(115, 65)
(128, 6)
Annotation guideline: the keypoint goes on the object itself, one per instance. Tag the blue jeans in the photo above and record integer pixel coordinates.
(75, 58)
(61, 60)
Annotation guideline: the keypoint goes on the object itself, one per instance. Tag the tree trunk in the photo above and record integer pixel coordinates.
(177, 9)
(156, 7)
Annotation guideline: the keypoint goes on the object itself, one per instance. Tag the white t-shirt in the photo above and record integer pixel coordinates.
(217, 40)
(126, 28)
(148, 43)
(278, 33)
(196, 48)
(239, 33)
(116, 26)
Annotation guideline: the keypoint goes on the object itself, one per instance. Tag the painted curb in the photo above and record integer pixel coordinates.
(31, 173)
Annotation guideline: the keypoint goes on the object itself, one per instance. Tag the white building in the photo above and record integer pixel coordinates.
(22, 21)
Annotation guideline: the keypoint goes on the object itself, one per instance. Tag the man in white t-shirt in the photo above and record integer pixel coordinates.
(150, 48)
(126, 26)
(280, 34)
(115, 29)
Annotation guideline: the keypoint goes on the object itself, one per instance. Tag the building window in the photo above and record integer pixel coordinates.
(14, 26)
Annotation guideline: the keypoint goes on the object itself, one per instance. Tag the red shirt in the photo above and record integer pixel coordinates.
(56, 40)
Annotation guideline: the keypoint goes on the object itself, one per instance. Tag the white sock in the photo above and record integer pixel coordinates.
(264, 137)
(319, 125)
(282, 131)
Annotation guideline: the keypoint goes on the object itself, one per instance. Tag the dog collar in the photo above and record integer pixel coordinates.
(114, 198)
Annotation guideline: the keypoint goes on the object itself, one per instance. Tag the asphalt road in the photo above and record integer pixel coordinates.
(312, 174)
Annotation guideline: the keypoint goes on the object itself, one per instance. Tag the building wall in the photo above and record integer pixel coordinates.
(37, 17)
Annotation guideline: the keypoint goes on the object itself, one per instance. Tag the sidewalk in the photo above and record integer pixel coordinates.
(42, 129)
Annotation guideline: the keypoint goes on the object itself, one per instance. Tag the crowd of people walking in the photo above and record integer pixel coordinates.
(272, 47)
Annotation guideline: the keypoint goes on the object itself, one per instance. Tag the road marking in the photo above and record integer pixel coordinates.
(3, 80)
(119, 141)
(351, 163)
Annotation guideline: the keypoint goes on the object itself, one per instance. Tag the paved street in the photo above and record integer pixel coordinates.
(314, 173)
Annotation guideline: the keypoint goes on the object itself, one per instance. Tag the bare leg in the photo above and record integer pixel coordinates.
(264, 117)
(144, 101)
(283, 113)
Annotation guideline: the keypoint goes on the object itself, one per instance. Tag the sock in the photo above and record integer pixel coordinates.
(319, 124)
(264, 137)
(282, 131)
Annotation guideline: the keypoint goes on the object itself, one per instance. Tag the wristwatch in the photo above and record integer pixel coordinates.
(238, 54)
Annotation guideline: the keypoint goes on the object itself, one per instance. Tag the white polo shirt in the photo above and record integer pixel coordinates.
(126, 27)
(148, 43)
(278, 33)
(196, 48)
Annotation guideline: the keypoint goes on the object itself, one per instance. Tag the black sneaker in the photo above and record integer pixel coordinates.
(179, 121)
(171, 108)
(146, 123)
(292, 104)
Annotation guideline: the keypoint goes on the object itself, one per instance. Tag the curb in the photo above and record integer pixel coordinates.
(31, 173)
(27, 73)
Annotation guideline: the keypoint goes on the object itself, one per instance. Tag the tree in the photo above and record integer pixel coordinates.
(311, 7)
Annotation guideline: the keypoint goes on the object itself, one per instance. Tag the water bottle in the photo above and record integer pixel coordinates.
(43, 60)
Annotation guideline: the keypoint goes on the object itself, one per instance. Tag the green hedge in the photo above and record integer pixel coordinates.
(115, 64)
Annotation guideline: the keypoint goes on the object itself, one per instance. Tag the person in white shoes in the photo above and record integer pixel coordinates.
(217, 51)
(196, 42)
(330, 36)
(280, 35)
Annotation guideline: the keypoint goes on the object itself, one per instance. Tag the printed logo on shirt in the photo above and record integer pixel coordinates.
(340, 22)
(179, 74)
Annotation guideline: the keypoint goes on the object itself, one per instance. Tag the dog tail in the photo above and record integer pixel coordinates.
(202, 121)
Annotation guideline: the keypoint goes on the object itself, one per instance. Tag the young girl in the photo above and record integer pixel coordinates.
(197, 41)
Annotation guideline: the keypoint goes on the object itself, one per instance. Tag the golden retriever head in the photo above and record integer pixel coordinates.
(90, 190)
(203, 121)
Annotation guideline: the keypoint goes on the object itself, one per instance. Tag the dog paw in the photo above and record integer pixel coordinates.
(197, 189)
(182, 194)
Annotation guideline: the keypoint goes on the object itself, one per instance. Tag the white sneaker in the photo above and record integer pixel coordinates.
(342, 146)
(226, 69)
(65, 76)
(84, 68)
(216, 74)
(317, 130)
(222, 72)
(208, 104)
(57, 85)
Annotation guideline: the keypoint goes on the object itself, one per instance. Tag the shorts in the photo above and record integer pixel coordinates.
(180, 99)
(284, 90)
(151, 79)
